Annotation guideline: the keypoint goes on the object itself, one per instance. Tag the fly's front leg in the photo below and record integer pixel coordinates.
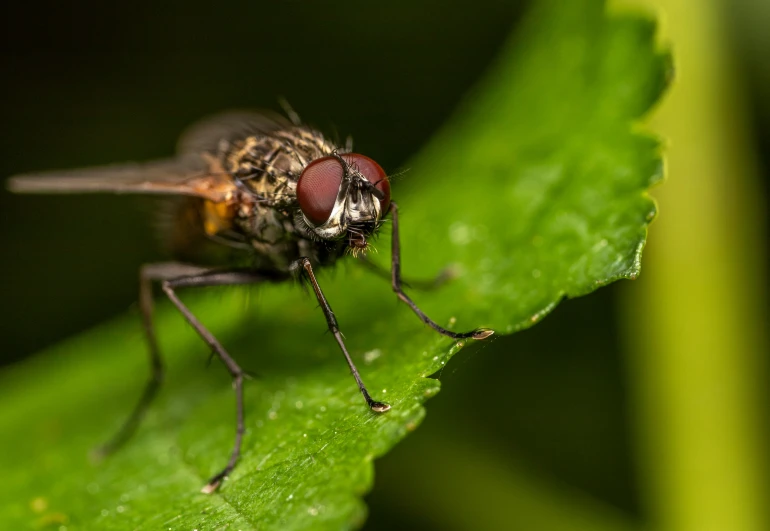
(479, 333)
(331, 320)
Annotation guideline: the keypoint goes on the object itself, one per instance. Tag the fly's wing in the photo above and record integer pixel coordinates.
(215, 133)
(195, 172)
(185, 176)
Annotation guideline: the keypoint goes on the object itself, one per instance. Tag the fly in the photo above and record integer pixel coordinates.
(256, 198)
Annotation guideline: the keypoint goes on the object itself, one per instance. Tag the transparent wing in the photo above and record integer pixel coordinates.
(209, 134)
(184, 176)
(195, 172)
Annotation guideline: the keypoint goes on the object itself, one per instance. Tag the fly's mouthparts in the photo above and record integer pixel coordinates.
(357, 240)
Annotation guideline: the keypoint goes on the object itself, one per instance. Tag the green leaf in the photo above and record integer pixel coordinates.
(534, 190)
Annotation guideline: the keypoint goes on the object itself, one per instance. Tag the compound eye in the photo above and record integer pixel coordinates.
(374, 174)
(318, 187)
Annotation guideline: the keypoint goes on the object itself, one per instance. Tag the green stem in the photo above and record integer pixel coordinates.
(696, 321)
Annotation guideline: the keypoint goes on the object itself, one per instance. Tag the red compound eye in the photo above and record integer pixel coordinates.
(318, 187)
(374, 173)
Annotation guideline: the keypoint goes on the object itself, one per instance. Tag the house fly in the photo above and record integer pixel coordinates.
(257, 198)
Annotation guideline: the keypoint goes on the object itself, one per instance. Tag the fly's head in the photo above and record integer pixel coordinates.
(343, 196)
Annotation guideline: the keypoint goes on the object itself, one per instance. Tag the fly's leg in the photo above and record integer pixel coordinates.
(444, 276)
(479, 333)
(147, 273)
(174, 276)
(235, 372)
(218, 278)
(331, 320)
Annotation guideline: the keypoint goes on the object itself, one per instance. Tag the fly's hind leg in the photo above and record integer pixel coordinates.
(174, 276)
(219, 278)
(147, 274)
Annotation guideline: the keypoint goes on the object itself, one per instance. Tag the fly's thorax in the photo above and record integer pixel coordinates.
(270, 165)
(261, 219)
(299, 189)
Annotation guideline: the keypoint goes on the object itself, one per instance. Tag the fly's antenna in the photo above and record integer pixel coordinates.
(372, 189)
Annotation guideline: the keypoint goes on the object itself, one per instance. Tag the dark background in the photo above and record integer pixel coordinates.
(97, 83)
(105, 83)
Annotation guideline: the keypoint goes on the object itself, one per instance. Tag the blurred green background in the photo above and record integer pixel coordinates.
(643, 405)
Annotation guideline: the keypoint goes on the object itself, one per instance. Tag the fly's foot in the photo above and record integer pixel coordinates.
(479, 333)
(215, 481)
(482, 333)
(379, 407)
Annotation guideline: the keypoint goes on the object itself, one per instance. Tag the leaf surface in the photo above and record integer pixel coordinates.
(533, 191)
